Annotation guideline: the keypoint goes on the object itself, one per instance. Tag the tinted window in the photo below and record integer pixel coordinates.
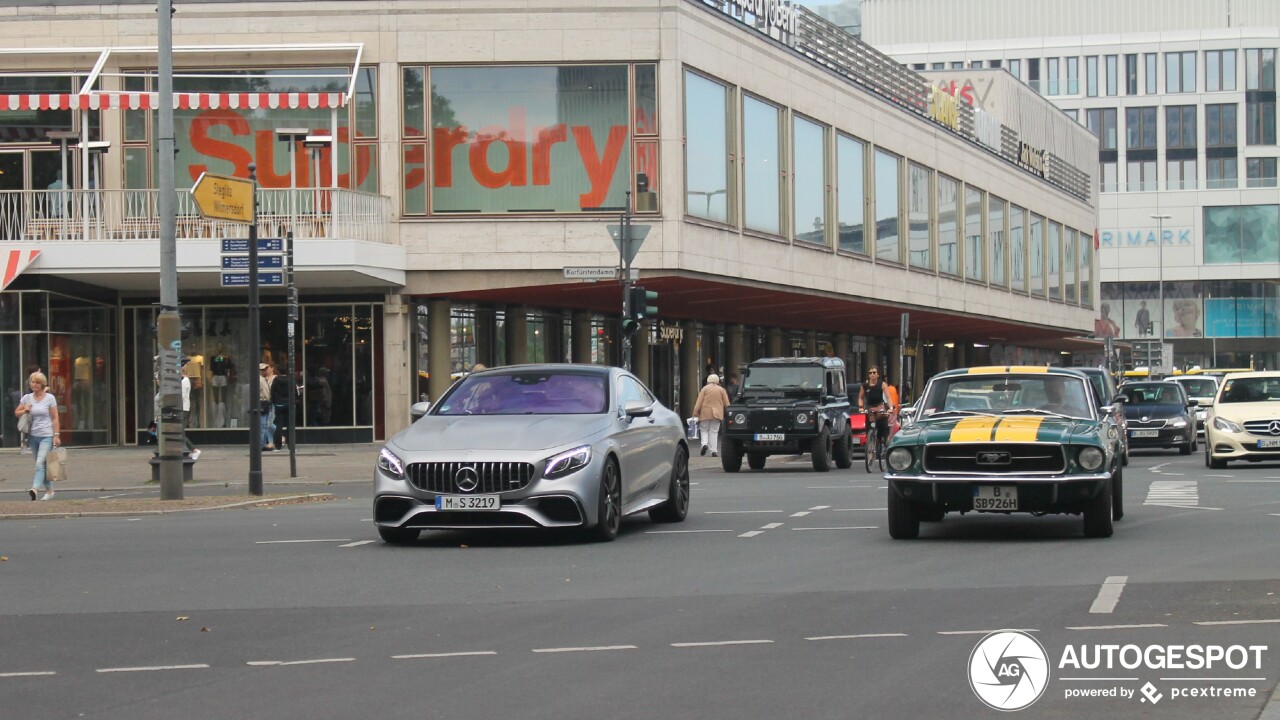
(1052, 393)
(1155, 394)
(784, 377)
(1251, 390)
(526, 393)
(1199, 387)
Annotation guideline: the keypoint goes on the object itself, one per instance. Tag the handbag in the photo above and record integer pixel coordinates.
(24, 424)
(55, 465)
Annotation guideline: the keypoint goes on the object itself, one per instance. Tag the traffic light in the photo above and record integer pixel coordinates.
(643, 303)
(630, 326)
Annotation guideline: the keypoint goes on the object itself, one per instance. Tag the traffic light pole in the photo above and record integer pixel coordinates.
(624, 262)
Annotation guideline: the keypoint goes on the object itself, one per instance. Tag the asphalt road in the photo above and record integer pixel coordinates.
(782, 596)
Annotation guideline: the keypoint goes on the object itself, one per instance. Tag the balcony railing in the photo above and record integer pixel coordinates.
(94, 215)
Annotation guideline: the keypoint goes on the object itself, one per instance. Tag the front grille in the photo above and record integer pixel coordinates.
(493, 477)
(1259, 427)
(770, 420)
(482, 518)
(999, 458)
(1148, 425)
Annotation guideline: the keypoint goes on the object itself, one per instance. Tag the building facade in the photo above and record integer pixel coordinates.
(801, 193)
(1182, 96)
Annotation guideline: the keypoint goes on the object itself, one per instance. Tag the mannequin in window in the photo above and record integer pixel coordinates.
(218, 385)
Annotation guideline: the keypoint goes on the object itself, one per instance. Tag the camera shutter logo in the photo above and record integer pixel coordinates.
(467, 479)
(1008, 670)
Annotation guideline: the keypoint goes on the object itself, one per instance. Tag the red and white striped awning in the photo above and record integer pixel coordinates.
(16, 260)
(181, 101)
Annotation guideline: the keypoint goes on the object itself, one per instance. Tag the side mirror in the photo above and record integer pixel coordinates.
(1192, 403)
(906, 414)
(1118, 399)
(637, 408)
(419, 409)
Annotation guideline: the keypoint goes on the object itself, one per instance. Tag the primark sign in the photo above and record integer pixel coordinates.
(1143, 237)
(780, 15)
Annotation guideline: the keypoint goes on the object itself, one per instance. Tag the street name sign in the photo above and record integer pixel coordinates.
(591, 273)
(241, 262)
(241, 245)
(242, 279)
(222, 197)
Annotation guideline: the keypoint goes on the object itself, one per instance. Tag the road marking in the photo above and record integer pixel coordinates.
(27, 674)
(1109, 594)
(770, 526)
(983, 632)
(1174, 474)
(856, 637)
(1175, 493)
(860, 509)
(751, 533)
(282, 663)
(1219, 476)
(444, 655)
(739, 512)
(681, 532)
(152, 668)
(722, 642)
(584, 649)
(1181, 507)
(1114, 627)
(849, 527)
(838, 487)
(1238, 622)
(290, 542)
(1256, 481)
(802, 513)
(819, 507)
(357, 543)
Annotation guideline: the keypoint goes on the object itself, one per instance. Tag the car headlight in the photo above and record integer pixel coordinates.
(567, 462)
(802, 418)
(739, 418)
(1090, 458)
(1226, 425)
(391, 464)
(1178, 423)
(900, 459)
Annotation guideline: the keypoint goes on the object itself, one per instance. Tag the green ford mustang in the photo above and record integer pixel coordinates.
(1005, 439)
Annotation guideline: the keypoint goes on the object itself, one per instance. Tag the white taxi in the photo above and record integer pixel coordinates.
(1244, 421)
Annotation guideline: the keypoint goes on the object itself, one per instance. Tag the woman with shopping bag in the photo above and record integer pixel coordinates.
(43, 409)
(709, 410)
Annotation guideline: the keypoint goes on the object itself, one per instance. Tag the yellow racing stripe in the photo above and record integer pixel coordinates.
(1018, 429)
(973, 429)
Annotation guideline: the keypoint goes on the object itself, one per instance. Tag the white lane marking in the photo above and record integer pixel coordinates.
(848, 527)
(1115, 627)
(290, 542)
(802, 513)
(1219, 476)
(357, 543)
(722, 642)
(584, 649)
(739, 512)
(153, 668)
(1181, 507)
(770, 526)
(1277, 480)
(983, 632)
(1275, 514)
(1176, 493)
(1109, 594)
(751, 533)
(282, 663)
(1174, 474)
(838, 487)
(27, 674)
(1238, 622)
(444, 655)
(860, 509)
(681, 532)
(819, 507)
(856, 637)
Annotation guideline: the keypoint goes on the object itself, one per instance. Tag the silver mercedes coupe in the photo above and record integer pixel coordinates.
(534, 446)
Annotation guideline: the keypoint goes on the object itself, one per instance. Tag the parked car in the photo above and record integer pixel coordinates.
(534, 446)
(1110, 399)
(1041, 447)
(1202, 389)
(1244, 421)
(1160, 415)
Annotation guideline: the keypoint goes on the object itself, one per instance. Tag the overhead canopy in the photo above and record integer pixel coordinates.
(181, 101)
(15, 260)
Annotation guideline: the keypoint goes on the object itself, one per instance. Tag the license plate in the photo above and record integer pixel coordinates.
(770, 436)
(467, 502)
(995, 497)
(1144, 433)
(1269, 443)
(858, 439)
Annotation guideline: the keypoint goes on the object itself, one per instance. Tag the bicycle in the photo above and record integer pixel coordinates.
(875, 443)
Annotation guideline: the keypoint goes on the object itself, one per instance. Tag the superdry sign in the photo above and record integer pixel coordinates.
(780, 15)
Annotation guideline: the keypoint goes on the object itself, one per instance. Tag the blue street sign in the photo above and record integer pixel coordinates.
(241, 262)
(242, 279)
(241, 245)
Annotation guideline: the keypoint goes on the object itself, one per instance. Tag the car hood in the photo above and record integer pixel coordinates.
(1241, 412)
(998, 428)
(500, 432)
(1135, 412)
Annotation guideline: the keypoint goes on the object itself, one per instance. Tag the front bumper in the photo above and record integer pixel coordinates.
(1239, 446)
(1055, 493)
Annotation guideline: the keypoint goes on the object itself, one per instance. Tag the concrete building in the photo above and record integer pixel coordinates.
(1182, 95)
(802, 192)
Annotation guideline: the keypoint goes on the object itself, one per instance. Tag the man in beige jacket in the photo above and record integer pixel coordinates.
(709, 409)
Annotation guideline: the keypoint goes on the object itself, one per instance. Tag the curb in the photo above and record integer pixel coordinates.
(266, 502)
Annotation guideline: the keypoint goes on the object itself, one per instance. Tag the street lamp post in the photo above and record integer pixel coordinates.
(292, 136)
(1160, 270)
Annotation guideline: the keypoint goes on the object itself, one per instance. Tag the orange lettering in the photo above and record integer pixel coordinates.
(445, 139)
(514, 174)
(542, 152)
(264, 149)
(220, 149)
(599, 169)
(414, 155)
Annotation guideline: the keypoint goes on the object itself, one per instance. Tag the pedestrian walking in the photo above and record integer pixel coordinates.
(192, 451)
(280, 405)
(43, 409)
(24, 433)
(709, 409)
(266, 374)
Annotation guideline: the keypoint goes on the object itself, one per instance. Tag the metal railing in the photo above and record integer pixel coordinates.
(97, 215)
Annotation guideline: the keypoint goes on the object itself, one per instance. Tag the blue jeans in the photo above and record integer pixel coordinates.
(268, 425)
(42, 446)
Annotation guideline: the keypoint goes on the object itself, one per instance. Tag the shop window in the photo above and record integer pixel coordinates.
(919, 203)
(762, 166)
(809, 192)
(948, 230)
(851, 196)
(997, 241)
(888, 169)
(1017, 249)
(708, 159)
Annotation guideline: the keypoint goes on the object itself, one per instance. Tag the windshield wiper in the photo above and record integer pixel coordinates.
(962, 413)
(1035, 411)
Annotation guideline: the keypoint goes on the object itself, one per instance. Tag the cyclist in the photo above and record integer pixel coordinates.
(875, 400)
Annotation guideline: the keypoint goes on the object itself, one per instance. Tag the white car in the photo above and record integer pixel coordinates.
(1244, 421)
(1203, 389)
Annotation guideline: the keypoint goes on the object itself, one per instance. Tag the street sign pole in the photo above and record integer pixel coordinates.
(293, 385)
(168, 325)
(902, 351)
(255, 348)
(625, 263)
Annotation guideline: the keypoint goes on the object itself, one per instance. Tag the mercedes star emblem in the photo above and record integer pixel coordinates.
(467, 479)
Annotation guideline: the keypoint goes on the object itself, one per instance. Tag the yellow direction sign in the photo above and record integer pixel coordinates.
(221, 197)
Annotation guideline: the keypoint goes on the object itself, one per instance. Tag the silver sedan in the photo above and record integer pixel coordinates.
(534, 446)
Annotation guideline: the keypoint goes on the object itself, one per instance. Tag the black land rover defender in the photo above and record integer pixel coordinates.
(788, 406)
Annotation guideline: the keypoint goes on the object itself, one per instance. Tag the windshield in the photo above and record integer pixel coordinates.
(1254, 389)
(529, 393)
(1199, 387)
(1153, 394)
(1031, 393)
(783, 377)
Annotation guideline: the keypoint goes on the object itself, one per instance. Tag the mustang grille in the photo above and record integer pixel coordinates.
(490, 477)
(994, 458)
(1259, 427)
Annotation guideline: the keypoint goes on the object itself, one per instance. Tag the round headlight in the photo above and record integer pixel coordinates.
(802, 418)
(739, 418)
(1090, 458)
(900, 459)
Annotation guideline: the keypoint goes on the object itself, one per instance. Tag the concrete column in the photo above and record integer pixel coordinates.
(735, 351)
(690, 368)
(917, 380)
(640, 355)
(439, 346)
(486, 336)
(810, 343)
(962, 354)
(889, 365)
(873, 353)
(844, 351)
(775, 342)
(397, 386)
(581, 342)
(516, 336)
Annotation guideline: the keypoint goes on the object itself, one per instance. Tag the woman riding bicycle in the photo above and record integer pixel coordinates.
(874, 399)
